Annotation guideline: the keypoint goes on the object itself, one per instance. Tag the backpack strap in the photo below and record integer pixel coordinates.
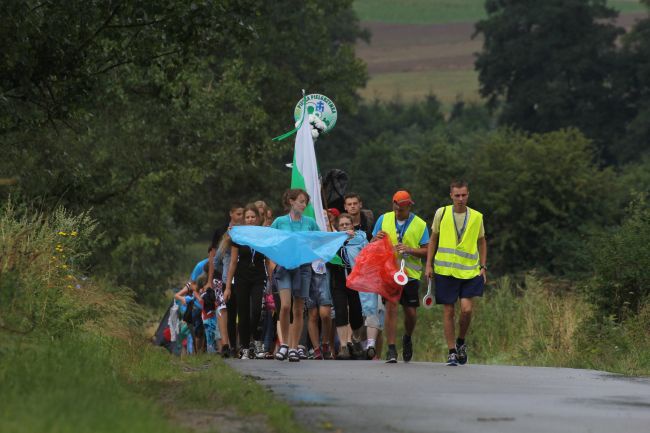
(444, 209)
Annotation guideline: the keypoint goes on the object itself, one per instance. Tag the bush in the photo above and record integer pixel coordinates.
(42, 283)
(621, 264)
(541, 195)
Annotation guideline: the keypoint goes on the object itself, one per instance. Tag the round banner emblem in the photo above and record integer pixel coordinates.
(319, 106)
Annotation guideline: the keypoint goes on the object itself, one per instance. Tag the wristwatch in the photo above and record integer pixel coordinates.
(482, 267)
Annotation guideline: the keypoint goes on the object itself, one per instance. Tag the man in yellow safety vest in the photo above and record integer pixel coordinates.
(408, 232)
(459, 252)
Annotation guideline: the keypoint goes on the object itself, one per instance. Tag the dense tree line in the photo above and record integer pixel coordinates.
(548, 202)
(155, 116)
(565, 63)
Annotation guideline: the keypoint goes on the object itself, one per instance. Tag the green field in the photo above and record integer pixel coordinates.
(447, 85)
(442, 11)
(409, 62)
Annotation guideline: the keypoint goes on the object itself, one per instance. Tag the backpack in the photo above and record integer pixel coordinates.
(335, 185)
(209, 300)
(187, 316)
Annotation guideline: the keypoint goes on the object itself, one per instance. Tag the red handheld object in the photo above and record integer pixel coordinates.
(427, 301)
(400, 276)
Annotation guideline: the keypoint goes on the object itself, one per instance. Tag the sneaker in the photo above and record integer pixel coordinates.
(244, 354)
(351, 351)
(407, 349)
(452, 360)
(225, 351)
(391, 356)
(302, 352)
(327, 353)
(357, 350)
(259, 350)
(344, 353)
(462, 354)
(371, 352)
(318, 354)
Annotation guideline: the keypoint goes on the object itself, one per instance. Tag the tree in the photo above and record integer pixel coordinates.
(551, 65)
(620, 285)
(58, 55)
(542, 196)
(156, 114)
(635, 78)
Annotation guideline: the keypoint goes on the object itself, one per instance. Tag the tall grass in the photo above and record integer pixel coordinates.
(73, 357)
(542, 322)
(42, 283)
(58, 331)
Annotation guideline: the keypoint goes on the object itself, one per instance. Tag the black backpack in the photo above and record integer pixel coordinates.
(187, 316)
(209, 300)
(335, 185)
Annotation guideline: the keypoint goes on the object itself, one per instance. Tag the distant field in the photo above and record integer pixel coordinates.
(419, 11)
(424, 46)
(413, 60)
(447, 85)
(443, 11)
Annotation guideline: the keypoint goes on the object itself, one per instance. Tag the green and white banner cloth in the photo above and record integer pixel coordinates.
(304, 173)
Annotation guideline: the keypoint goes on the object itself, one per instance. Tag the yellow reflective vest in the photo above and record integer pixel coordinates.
(454, 257)
(411, 237)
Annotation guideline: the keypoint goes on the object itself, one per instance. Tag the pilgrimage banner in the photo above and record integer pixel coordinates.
(304, 173)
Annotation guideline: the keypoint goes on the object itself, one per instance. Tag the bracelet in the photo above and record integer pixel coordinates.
(482, 267)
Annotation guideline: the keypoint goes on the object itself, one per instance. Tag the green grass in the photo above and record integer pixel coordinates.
(71, 386)
(447, 85)
(419, 11)
(93, 384)
(627, 5)
(442, 11)
(541, 323)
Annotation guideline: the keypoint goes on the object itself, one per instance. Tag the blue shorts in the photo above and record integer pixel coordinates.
(297, 280)
(319, 291)
(449, 289)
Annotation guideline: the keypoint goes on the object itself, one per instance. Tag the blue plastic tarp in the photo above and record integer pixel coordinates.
(289, 249)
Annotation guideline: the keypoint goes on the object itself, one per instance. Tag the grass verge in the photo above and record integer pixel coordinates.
(87, 383)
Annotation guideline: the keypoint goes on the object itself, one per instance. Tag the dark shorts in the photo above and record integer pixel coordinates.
(449, 289)
(319, 291)
(410, 294)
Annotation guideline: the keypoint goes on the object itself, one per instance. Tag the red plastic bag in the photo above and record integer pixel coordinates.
(374, 269)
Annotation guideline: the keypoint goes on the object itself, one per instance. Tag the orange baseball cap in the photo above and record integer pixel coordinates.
(402, 198)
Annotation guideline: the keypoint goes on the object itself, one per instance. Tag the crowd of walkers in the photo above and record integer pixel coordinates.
(239, 303)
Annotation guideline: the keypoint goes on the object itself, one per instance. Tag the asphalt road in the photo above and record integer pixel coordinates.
(370, 396)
